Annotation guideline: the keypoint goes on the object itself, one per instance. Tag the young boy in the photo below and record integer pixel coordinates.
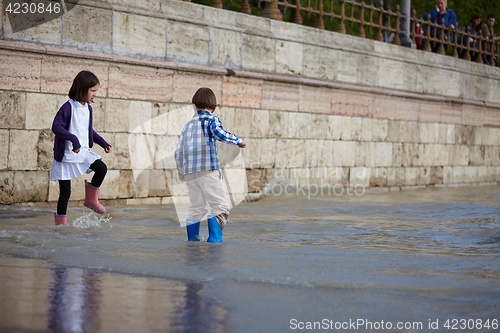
(198, 165)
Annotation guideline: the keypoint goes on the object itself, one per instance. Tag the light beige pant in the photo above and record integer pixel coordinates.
(206, 186)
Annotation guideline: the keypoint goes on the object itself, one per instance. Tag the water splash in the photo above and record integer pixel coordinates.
(91, 219)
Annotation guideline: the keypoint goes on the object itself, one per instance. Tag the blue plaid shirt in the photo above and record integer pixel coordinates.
(197, 147)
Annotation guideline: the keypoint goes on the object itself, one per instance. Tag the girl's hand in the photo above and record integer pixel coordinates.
(242, 144)
(108, 150)
(76, 151)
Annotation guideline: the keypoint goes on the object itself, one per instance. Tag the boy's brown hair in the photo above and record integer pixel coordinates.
(204, 99)
(82, 82)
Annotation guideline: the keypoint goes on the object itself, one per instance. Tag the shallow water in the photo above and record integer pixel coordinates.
(417, 257)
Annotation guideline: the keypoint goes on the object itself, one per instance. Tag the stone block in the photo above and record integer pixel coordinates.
(91, 28)
(243, 93)
(359, 176)
(393, 127)
(429, 132)
(258, 53)
(380, 129)
(185, 85)
(477, 155)
(256, 180)
(7, 187)
(436, 175)
(131, 5)
(4, 152)
(397, 154)
(20, 71)
(382, 154)
(58, 73)
(378, 177)
(491, 155)
(267, 154)
(279, 124)
(349, 103)
(259, 126)
(23, 154)
(45, 107)
(472, 115)
(367, 129)
(319, 153)
(140, 83)
(129, 30)
(395, 177)
(314, 60)
(45, 150)
(409, 132)
(429, 112)
(387, 107)
(290, 153)
(48, 33)
(423, 176)
(13, 110)
(314, 99)
(411, 174)
(344, 153)
(242, 119)
(364, 154)
(164, 152)
(188, 43)
(30, 186)
(459, 155)
(252, 154)
(225, 46)
(491, 118)
(280, 96)
(110, 188)
(117, 115)
(334, 127)
(451, 113)
(289, 57)
(300, 125)
(440, 155)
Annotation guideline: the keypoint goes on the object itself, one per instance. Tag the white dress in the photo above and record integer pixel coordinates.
(74, 165)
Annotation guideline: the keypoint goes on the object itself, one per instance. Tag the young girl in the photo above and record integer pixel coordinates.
(74, 137)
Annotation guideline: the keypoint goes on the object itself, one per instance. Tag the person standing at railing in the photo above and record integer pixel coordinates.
(441, 15)
(471, 37)
(488, 31)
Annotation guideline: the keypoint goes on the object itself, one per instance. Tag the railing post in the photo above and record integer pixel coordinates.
(216, 4)
(271, 10)
(341, 27)
(297, 18)
(427, 45)
(380, 36)
(319, 20)
(361, 30)
(397, 39)
(245, 7)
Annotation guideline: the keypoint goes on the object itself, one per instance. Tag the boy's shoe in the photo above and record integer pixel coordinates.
(193, 232)
(214, 231)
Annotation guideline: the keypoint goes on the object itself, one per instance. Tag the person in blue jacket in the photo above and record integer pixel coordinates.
(441, 15)
(74, 136)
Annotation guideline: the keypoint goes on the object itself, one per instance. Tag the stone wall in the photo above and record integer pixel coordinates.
(316, 108)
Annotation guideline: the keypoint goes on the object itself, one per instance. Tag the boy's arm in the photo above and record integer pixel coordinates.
(221, 134)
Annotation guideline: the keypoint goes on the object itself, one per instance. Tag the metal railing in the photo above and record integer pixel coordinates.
(369, 20)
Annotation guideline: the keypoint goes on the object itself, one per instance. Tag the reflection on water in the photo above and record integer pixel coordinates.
(414, 255)
(40, 297)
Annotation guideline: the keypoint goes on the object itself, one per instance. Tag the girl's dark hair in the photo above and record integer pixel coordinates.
(204, 98)
(82, 82)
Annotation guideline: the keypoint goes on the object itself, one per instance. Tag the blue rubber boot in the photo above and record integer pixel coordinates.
(193, 232)
(214, 231)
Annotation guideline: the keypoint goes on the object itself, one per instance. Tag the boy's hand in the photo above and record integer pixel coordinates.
(242, 144)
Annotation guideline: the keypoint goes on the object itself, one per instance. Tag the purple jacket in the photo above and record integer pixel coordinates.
(60, 127)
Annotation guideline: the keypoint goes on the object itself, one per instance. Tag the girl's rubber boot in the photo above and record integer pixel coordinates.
(193, 232)
(60, 219)
(91, 200)
(214, 231)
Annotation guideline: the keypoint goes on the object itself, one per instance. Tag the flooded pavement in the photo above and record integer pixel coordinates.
(412, 261)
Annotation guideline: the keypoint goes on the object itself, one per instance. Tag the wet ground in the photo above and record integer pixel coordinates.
(412, 261)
